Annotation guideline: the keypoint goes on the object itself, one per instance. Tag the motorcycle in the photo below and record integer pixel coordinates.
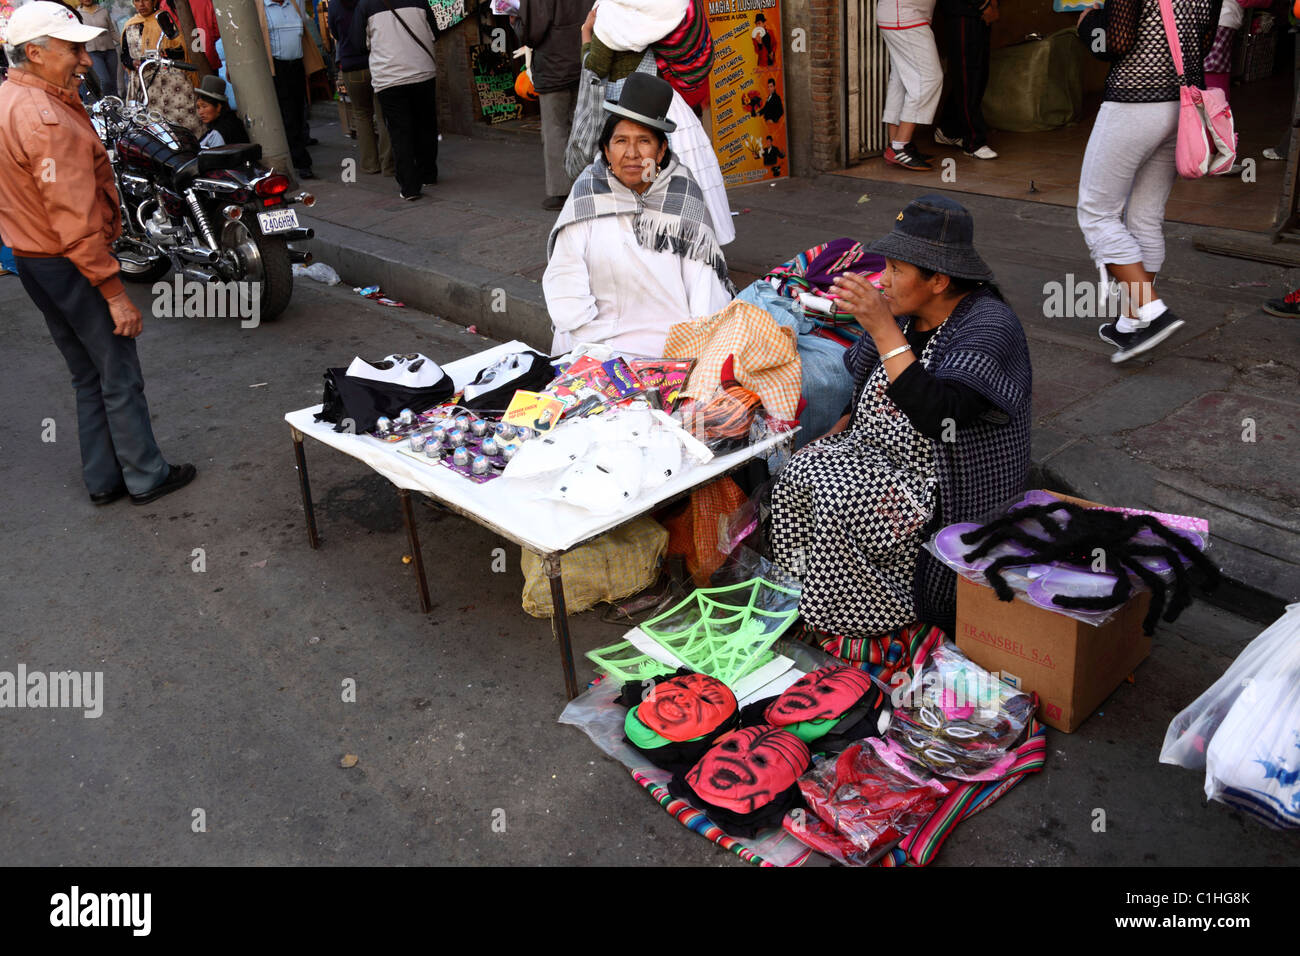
(213, 215)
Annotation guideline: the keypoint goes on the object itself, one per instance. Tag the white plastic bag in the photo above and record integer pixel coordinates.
(319, 271)
(1245, 730)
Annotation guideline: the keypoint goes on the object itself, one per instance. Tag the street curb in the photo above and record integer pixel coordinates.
(500, 307)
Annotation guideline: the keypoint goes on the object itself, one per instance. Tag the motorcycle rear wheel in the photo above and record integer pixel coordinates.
(263, 259)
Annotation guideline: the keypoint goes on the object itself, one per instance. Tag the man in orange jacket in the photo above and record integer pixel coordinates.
(59, 211)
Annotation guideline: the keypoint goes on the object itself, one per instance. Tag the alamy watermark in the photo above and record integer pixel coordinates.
(192, 299)
(77, 690)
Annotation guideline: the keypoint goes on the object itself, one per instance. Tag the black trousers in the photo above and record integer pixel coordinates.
(113, 424)
(411, 114)
(966, 45)
(291, 93)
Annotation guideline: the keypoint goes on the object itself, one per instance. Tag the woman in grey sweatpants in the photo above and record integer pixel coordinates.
(1128, 169)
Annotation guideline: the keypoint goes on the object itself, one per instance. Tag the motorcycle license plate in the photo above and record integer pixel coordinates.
(278, 220)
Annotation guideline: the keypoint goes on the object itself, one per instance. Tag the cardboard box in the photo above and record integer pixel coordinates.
(1072, 666)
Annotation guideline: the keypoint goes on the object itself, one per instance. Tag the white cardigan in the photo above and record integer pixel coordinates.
(602, 286)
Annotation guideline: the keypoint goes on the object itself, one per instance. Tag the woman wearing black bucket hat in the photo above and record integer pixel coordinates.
(938, 433)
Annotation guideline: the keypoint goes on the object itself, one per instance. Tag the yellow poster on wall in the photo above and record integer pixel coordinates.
(747, 90)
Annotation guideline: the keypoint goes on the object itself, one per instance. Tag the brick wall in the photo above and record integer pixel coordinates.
(826, 23)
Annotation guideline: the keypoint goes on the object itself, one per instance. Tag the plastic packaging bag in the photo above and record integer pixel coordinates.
(866, 799)
(1245, 729)
(1041, 583)
(956, 718)
(319, 271)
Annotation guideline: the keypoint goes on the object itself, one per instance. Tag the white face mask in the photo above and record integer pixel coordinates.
(412, 370)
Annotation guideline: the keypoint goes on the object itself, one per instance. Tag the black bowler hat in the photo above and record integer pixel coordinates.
(645, 99)
(935, 233)
(213, 88)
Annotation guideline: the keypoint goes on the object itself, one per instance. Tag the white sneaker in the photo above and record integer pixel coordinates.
(944, 140)
(983, 152)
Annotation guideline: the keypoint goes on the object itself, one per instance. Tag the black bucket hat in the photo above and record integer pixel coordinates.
(936, 233)
(645, 99)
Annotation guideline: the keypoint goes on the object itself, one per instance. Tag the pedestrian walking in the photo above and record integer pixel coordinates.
(915, 77)
(968, 29)
(399, 36)
(354, 66)
(284, 32)
(1128, 167)
(62, 225)
(553, 29)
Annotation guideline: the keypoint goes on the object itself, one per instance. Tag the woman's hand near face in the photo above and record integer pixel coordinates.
(865, 302)
(589, 26)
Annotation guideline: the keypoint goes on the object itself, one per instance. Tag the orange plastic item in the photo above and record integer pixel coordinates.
(524, 87)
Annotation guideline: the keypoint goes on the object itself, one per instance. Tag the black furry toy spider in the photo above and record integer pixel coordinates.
(1078, 540)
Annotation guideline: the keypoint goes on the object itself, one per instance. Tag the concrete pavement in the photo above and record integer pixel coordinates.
(224, 715)
(1206, 426)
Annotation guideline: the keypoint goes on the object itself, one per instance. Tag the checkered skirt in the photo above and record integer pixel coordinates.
(848, 515)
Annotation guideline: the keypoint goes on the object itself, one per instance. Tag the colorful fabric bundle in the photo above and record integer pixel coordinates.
(814, 271)
(830, 708)
(765, 356)
(748, 780)
(685, 55)
(674, 720)
(881, 655)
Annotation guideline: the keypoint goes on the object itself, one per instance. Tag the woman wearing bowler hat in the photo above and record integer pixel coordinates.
(222, 124)
(633, 250)
(937, 433)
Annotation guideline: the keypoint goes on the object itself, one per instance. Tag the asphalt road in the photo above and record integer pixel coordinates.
(223, 689)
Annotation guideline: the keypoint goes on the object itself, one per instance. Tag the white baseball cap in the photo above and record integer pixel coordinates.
(40, 18)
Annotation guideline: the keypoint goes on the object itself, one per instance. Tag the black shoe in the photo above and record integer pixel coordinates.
(177, 478)
(916, 151)
(1129, 344)
(108, 497)
(906, 158)
(411, 198)
(313, 141)
(307, 174)
(554, 202)
(1287, 308)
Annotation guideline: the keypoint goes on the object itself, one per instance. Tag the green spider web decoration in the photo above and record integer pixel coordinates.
(725, 632)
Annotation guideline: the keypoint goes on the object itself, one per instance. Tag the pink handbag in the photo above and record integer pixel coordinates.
(1207, 142)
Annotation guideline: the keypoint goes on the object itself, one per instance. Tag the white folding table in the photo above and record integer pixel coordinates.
(547, 528)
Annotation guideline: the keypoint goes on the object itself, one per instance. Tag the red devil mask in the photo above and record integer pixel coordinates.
(819, 695)
(683, 708)
(748, 768)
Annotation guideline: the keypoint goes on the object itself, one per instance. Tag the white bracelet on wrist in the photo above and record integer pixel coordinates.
(898, 351)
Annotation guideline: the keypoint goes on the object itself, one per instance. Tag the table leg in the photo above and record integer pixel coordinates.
(417, 557)
(304, 486)
(560, 622)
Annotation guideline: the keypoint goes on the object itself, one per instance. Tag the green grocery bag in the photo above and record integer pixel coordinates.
(1037, 84)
